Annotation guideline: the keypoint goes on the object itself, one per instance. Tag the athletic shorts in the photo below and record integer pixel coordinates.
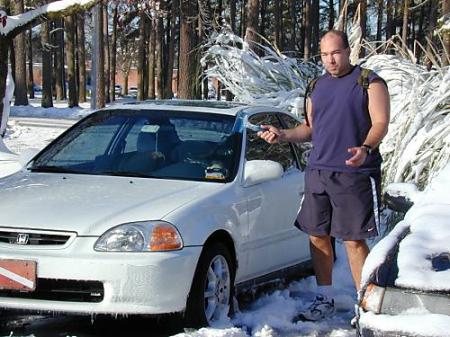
(343, 205)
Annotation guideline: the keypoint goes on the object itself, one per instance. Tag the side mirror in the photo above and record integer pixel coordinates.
(259, 171)
(400, 196)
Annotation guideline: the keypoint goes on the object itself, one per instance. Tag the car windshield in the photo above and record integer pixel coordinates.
(147, 143)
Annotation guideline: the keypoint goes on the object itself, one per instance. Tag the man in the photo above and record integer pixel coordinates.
(346, 123)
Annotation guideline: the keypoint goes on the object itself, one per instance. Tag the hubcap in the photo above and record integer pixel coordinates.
(217, 289)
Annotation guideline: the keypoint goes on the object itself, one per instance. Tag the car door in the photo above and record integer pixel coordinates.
(274, 242)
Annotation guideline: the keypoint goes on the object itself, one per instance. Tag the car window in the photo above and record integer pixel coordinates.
(159, 144)
(302, 149)
(258, 149)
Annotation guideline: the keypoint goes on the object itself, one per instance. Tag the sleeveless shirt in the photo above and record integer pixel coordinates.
(341, 120)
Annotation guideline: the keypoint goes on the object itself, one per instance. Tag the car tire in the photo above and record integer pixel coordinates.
(211, 295)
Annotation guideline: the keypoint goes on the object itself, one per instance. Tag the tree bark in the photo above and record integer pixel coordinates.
(159, 59)
(60, 87)
(70, 55)
(171, 49)
(47, 92)
(446, 35)
(20, 48)
(330, 14)
(100, 59)
(405, 23)
(151, 59)
(113, 70)
(232, 5)
(188, 54)
(389, 23)
(278, 23)
(4, 49)
(432, 17)
(379, 20)
(363, 17)
(81, 50)
(315, 27)
(252, 21)
(141, 57)
(308, 30)
(30, 77)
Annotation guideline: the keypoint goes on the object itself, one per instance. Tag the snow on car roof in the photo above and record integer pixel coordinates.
(221, 107)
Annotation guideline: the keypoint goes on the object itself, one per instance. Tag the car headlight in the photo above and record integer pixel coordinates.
(140, 237)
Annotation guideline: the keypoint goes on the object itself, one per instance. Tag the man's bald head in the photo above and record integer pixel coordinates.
(336, 33)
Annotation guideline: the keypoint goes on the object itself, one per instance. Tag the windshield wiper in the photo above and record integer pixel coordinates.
(55, 169)
(126, 174)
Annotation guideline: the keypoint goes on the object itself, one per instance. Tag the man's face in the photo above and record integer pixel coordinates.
(335, 58)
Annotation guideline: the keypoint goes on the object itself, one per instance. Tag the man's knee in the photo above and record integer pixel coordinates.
(320, 241)
(355, 244)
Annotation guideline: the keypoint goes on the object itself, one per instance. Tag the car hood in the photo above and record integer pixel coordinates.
(90, 205)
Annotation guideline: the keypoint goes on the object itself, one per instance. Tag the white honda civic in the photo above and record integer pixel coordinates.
(152, 208)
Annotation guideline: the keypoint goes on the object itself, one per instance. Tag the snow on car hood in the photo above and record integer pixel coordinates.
(89, 205)
(429, 224)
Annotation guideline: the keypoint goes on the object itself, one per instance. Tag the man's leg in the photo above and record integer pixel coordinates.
(357, 251)
(322, 258)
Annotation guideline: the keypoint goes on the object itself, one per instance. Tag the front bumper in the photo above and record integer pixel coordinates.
(132, 283)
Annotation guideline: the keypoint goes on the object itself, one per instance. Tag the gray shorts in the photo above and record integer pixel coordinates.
(343, 205)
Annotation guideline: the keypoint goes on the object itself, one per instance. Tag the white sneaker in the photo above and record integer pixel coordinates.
(320, 308)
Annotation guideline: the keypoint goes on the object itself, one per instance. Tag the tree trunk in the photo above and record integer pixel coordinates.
(171, 49)
(81, 50)
(151, 59)
(252, 21)
(330, 14)
(141, 57)
(405, 23)
(187, 53)
(379, 20)
(99, 54)
(30, 77)
(159, 58)
(389, 23)
(264, 15)
(47, 92)
(431, 26)
(446, 35)
(20, 48)
(293, 19)
(107, 51)
(278, 23)
(232, 6)
(4, 49)
(70, 54)
(60, 87)
(308, 30)
(315, 29)
(363, 16)
(112, 76)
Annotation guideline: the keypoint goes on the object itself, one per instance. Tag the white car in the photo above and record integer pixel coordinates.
(152, 208)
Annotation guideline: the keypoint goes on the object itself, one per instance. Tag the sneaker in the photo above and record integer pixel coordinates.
(320, 308)
(353, 322)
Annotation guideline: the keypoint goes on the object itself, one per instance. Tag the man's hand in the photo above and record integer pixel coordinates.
(358, 158)
(271, 134)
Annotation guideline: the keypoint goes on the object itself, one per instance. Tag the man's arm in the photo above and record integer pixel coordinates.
(379, 111)
(301, 133)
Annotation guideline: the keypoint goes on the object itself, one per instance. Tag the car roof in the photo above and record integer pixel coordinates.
(218, 107)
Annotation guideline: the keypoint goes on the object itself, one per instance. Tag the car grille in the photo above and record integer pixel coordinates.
(33, 238)
(62, 290)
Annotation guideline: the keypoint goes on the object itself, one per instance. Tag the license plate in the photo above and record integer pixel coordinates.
(19, 275)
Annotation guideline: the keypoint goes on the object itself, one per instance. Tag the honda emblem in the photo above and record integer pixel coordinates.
(22, 239)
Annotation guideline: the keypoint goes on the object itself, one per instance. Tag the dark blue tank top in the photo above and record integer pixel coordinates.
(340, 121)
